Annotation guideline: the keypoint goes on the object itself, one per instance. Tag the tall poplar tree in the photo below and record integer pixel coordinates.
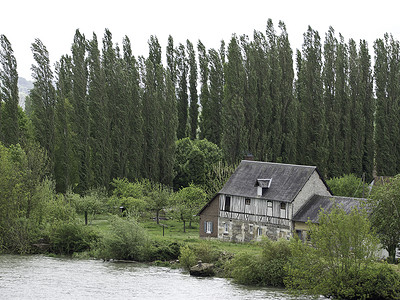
(234, 133)
(289, 106)
(66, 164)
(259, 82)
(194, 106)
(368, 103)
(332, 105)
(204, 89)
(153, 80)
(357, 118)
(9, 129)
(312, 106)
(387, 113)
(81, 110)
(342, 98)
(100, 143)
(250, 94)
(212, 111)
(168, 132)
(43, 100)
(275, 93)
(171, 59)
(182, 74)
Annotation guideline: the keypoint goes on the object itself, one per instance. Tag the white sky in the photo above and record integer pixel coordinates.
(55, 22)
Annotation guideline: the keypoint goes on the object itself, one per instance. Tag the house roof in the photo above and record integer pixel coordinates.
(313, 206)
(286, 181)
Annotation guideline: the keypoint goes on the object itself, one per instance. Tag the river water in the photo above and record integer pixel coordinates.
(41, 277)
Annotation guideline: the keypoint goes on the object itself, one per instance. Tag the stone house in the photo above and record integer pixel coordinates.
(261, 199)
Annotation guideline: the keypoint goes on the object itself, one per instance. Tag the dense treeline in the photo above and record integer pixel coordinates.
(105, 114)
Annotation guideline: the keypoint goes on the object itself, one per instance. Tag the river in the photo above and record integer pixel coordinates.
(41, 277)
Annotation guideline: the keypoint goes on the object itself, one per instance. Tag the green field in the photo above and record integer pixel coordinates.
(171, 230)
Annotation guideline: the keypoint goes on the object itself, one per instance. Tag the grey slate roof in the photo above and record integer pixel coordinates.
(287, 180)
(311, 209)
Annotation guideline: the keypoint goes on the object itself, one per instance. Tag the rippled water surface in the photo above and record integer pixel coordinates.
(41, 277)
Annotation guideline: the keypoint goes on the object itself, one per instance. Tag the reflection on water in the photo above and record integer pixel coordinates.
(41, 277)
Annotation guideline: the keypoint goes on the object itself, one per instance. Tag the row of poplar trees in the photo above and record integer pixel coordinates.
(104, 114)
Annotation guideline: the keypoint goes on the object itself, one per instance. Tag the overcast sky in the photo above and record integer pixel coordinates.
(55, 22)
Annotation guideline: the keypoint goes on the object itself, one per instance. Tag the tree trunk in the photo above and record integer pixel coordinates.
(158, 216)
(184, 226)
(86, 217)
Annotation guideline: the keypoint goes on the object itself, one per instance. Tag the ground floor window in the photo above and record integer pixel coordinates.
(208, 227)
(226, 227)
(259, 231)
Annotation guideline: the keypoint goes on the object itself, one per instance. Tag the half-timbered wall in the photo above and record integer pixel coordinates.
(243, 222)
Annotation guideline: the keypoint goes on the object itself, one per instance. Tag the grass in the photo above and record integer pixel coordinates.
(173, 232)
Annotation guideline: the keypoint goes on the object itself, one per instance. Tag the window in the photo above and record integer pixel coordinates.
(283, 210)
(247, 201)
(208, 227)
(259, 231)
(226, 227)
(227, 203)
(299, 234)
(269, 208)
(251, 228)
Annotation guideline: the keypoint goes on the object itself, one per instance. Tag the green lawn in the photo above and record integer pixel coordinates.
(172, 230)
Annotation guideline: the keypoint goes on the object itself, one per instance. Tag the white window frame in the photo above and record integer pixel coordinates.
(226, 227)
(209, 225)
(270, 210)
(282, 213)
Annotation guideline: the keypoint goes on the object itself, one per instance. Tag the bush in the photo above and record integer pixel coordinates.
(19, 236)
(378, 281)
(127, 240)
(267, 269)
(164, 251)
(187, 257)
(69, 237)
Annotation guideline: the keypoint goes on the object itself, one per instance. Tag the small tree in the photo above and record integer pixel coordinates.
(343, 247)
(158, 199)
(188, 201)
(385, 214)
(90, 204)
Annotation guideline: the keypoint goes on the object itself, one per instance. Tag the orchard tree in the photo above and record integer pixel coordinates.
(188, 201)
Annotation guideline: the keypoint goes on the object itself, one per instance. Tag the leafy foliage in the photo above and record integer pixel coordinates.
(126, 240)
(348, 186)
(187, 202)
(342, 248)
(267, 269)
(385, 216)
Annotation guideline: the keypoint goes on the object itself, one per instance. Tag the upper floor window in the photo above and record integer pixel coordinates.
(247, 201)
(269, 208)
(283, 210)
(227, 203)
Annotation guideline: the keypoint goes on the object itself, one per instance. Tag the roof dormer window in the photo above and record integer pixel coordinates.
(263, 185)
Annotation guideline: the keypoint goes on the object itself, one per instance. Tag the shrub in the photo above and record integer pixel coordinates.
(127, 240)
(187, 257)
(267, 269)
(164, 251)
(378, 281)
(69, 237)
